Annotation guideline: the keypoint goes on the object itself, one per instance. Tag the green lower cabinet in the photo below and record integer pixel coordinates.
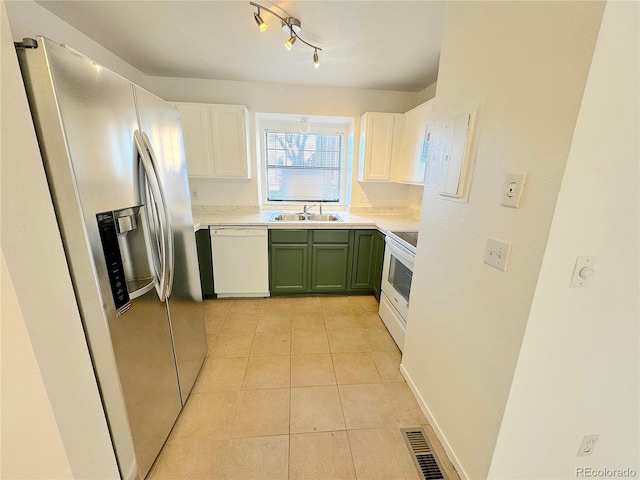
(205, 262)
(329, 268)
(325, 261)
(377, 259)
(288, 268)
(362, 266)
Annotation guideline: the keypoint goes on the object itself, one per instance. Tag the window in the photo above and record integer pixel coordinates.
(303, 167)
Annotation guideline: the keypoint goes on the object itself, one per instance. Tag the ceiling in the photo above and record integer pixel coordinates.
(388, 45)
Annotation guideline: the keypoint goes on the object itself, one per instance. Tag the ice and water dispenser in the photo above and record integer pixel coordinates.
(127, 256)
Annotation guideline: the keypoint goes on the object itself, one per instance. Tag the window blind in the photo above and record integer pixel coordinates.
(303, 167)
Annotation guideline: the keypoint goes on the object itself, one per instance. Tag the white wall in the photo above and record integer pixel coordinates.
(28, 19)
(290, 99)
(524, 64)
(578, 369)
(47, 377)
(30, 440)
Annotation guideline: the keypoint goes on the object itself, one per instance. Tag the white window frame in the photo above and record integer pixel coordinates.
(290, 124)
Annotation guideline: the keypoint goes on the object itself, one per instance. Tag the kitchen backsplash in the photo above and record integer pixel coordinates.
(412, 211)
(225, 210)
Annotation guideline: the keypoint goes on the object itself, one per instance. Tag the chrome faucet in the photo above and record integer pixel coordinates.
(307, 208)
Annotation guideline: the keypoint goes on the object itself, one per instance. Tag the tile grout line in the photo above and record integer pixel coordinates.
(346, 428)
(346, 431)
(290, 374)
(339, 395)
(289, 436)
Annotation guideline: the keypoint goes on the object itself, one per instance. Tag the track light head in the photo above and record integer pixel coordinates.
(316, 60)
(261, 23)
(289, 43)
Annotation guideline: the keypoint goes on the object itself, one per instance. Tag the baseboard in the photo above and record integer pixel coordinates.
(434, 424)
(132, 474)
(243, 295)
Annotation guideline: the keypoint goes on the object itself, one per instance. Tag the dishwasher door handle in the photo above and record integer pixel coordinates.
(239, 232)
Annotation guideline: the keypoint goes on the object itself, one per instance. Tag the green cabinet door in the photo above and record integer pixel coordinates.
(378, 261)
(205, 262)
(288, 268)
(361, 266)
(329, 267)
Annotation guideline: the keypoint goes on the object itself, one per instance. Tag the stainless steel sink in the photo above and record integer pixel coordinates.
(287, 217)
(327, 217)
(299, 217)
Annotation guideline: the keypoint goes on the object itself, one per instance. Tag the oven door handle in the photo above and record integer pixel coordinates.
(401, 253)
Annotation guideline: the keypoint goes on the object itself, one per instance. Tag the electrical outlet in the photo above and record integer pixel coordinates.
(194, 194)
(496, 253)
(587, 445)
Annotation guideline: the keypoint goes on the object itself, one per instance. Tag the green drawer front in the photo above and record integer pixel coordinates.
(331, 236)
(289, 236)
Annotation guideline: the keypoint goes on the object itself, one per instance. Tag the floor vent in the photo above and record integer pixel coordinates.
(422, 454)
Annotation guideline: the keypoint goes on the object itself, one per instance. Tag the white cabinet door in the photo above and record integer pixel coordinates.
(415, 144)
(379, 135)
(457, 155)
(229, 127)
(197, 139)
(216, 140)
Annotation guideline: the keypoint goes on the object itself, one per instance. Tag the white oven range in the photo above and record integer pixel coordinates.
(397, 272)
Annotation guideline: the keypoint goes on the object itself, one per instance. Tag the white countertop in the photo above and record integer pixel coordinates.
(382, 222)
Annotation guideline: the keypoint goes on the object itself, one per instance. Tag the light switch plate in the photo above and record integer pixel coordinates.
(496, 253)
(512, 189)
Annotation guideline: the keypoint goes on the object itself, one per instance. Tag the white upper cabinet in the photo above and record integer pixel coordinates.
(416, 139)
(379, 142)
(196, 129)
(216, 140)
(230, 144)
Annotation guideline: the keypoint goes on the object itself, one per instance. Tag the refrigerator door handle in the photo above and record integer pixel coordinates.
(168, 285)
(155, 212)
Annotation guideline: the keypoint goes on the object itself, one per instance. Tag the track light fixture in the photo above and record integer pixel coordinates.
(261, 24)
(289, 43)
(291, 25)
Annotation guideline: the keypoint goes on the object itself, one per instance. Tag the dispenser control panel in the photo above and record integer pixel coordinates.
(113, 259)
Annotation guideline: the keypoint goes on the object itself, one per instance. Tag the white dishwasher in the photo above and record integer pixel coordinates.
(240, 261)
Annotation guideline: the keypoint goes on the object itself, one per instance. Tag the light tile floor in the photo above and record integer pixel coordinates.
(296, 388)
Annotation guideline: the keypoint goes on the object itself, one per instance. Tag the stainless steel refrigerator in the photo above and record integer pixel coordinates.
(114, 158)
